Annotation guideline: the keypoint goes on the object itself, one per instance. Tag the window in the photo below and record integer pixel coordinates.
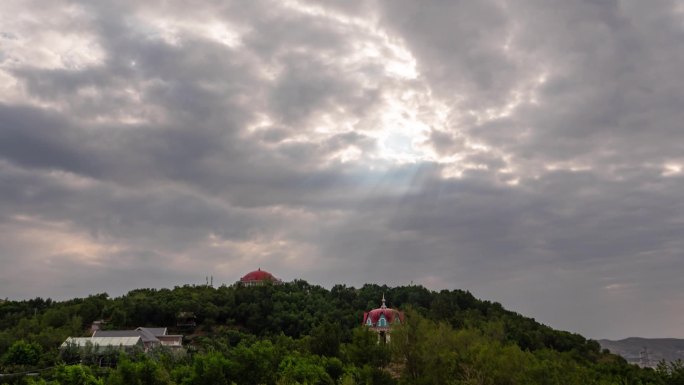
(368, 321)
(382, 322)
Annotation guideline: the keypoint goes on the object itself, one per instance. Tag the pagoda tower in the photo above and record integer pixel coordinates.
(382, 319)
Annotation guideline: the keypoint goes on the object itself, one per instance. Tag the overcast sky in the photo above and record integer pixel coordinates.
(531, 151)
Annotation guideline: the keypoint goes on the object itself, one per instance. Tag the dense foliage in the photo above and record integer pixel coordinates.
(297, 333)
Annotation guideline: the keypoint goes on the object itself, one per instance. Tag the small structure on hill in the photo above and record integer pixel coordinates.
(151, 337)
(97, 325)
(382, 319)
(258, 277)
(186, 320)
(101, 344)
(127, 340)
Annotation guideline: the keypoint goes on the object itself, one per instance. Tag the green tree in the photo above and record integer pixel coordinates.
(365, 349)
(22, 353)
(298, 370)
(75, 375)
(325, 339)
(210, 369)
(144, 372)
(254, 364)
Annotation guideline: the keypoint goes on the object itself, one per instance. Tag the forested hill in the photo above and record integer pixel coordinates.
(293, 309)
(298, 333)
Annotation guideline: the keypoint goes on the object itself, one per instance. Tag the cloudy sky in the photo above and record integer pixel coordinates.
(531, 152)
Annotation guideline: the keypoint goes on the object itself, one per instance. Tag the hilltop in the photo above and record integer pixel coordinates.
(298, 333)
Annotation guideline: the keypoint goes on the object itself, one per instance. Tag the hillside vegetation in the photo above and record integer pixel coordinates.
(297, 333)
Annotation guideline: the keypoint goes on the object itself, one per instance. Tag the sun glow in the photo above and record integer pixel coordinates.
(671, 169)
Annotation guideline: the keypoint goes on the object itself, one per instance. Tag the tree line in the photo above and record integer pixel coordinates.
(298, 333)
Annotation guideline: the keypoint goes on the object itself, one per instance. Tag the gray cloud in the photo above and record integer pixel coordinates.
(530, 153)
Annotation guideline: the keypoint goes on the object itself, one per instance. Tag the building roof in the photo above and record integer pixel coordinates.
(155, 331)
(103, 342)
(144, 337)
(116, 333)
(258, 275)
(147, 334)
(392, 316)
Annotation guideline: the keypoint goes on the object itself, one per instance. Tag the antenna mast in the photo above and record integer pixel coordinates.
(644, 358)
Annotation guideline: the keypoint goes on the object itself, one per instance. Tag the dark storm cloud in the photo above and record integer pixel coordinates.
(529, 152)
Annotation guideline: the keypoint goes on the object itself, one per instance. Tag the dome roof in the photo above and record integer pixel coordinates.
(391, 316)
(258, 275)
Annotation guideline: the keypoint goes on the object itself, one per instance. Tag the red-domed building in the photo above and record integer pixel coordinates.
(258, 277)
(382, 319)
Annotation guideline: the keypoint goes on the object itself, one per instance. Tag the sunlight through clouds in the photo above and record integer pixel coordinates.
(503, 149)
(26, 41)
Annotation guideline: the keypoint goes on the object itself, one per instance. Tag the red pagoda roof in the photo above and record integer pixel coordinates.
(391, 316)
(258, 275)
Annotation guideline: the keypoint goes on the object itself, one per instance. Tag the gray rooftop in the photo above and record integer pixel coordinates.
(155, 331)
(116, 333)
(101, 343)
(147, 334)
